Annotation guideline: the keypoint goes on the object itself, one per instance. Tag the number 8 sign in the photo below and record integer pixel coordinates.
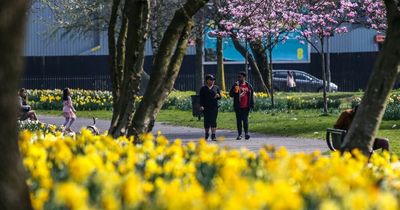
(300, 53)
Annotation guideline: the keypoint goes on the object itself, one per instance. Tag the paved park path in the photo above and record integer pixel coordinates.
(194, 134)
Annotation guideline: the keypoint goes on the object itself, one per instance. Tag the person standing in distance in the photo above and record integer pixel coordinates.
(290, 81)
(242, 94)
(209, 96)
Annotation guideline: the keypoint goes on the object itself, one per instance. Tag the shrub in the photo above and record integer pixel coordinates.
(102, 100)
(36, 126)
(392, 111)
(82, 99)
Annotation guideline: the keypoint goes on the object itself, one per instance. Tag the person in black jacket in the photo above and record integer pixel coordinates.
(209, 96)
(242, 93)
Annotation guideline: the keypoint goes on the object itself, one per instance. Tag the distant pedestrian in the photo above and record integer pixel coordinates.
(209, 96)
(243, 100)
(290, 81)
(68, 110)
(26, 111)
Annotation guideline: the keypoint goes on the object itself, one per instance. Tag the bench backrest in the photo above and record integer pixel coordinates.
(334, 138)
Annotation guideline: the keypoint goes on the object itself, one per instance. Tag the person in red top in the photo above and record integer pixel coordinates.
(242, 93)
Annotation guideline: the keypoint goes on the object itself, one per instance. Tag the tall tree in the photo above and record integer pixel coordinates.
(320, 19)
(127, 59)
(13, 189)
(213, 19)
(372, 14)
(257, 59)
(264, 23)
(220, 74)
(370, 112)
(127, 33)
(127, 22)
(74, 18)
(166, 67)
(161, 16)
(199, 43)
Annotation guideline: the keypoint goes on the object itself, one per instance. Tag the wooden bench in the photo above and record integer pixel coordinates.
(335, 138)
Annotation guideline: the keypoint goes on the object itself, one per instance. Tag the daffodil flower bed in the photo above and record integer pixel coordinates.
(102, 100)
(82, 99)
(392, 111)
(36, 126)
(98, 172)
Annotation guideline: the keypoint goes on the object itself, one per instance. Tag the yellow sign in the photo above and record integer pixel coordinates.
(300, 53)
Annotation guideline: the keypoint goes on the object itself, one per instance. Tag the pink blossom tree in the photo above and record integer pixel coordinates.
(372, 14)
(224, 25)
(321, 19)
(263, 23)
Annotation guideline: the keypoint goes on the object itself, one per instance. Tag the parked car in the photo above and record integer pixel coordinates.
(305, 82)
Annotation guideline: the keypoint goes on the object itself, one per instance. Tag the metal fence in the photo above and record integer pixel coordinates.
(87, 83)
(187, 82)
(184, 82)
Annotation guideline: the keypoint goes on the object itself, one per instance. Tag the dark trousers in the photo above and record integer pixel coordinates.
(242, 120)
(381, 143)
(210, 118)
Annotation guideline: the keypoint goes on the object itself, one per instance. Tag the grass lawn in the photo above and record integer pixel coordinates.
(299, 123)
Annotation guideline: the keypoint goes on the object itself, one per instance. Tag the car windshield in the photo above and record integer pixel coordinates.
(298, 75)
(311, 76)
(308, 77)
(302, 76)
(280, 75)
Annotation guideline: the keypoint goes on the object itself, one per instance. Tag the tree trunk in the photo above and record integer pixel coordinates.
(369, 114)
(117, 53)
(261, 59)
(156, 29)
(166, 67)
(246, 60)
(199, 73)
(137, 14)
(14, 194)
(121, 49)
(112, 51)
(255, 69)
(328, 62)
(270, 68)
(220, 74)
(323, 64)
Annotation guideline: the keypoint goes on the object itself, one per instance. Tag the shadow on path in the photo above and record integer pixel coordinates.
(195, 134)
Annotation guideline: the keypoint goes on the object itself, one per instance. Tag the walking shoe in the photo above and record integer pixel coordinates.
(206, 136)
(247, 137)
(213, 137)
(239, 137)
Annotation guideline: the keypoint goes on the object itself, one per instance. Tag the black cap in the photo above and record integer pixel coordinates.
(210, 77)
